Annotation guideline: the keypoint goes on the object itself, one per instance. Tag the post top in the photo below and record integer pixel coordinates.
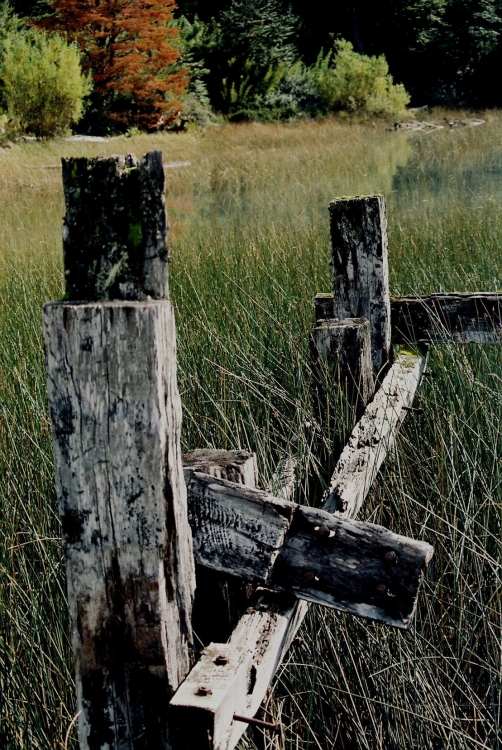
(115, 228)
(355, 199)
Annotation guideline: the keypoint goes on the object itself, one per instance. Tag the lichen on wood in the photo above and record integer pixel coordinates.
(115, 228)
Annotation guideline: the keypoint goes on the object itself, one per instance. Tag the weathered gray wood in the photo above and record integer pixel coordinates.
(445, 318)
(115, 230)
(352, 566)
(237, 466)
(437, 318)
(359, 568)
(220, 600)
(116, 416)
(341, 355)
(254, 653)
(360, 268)
(373, 437)
(304, 551)
(236, 529)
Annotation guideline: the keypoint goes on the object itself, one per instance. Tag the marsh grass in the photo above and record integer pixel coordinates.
(250, 248)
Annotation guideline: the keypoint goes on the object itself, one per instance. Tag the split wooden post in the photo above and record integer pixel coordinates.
(360, 269)
(116, 417)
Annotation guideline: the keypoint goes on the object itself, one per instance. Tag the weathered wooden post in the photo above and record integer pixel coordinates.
(116, 416)
(360, 269)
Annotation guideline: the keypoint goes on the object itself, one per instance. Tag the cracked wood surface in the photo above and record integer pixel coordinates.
(437, 318)
(360, 268)
(220, 598)
(115, 228)
(116, 415)
(373, 437)
(352, 566)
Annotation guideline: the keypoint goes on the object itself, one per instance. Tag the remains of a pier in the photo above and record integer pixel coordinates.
(145, 530)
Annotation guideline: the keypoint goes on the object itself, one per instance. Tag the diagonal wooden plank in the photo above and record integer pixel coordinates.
(268, 628)
(373, 437)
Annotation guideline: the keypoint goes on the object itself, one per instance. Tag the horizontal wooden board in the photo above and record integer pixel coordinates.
(353, 566)
(438, 318)
(236, 529)
(304, 551)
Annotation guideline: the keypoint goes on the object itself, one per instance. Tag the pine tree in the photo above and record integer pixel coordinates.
(131, 48)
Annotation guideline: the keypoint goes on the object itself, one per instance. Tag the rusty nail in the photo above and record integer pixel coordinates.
(258, 723)
(390, 556)
(322, 531)
(381, 588)
(309, 575)
(203, 690)
(413, 409)
(221, 660)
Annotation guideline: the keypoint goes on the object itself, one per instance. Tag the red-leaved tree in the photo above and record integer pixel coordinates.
(132, 49)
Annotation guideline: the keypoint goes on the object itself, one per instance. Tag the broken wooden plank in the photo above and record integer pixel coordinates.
(437, 318)
(254, 653)
(355, 567)
(220, 600)
(116, 419)
(373, 437)
(359, 568)
(236, 529)
(360, 268)
(305, 551)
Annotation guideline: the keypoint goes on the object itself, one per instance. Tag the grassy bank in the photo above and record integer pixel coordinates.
(250, 248)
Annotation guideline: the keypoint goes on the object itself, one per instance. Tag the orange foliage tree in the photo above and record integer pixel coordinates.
(132, 49)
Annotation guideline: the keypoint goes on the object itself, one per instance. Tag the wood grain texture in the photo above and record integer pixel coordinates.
(448, 318)
(353, 566)
(116, 416)
(437, 318)
(236, 529)
(237, 466)
(255, 651)
(115, 228)
(220, 599)
(307, 552)
(359, 568)
(360, 268)
(373, 437)
(341, 355)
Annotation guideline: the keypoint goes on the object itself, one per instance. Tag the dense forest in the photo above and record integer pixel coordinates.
(443, 51)
(258, 59)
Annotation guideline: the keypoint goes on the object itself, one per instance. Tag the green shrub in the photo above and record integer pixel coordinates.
(41, 83)
(352, 82)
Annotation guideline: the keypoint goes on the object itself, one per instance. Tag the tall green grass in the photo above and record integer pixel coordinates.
(250, 248)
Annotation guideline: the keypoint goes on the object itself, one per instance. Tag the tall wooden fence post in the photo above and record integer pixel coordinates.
(116, 415)
(360, 269)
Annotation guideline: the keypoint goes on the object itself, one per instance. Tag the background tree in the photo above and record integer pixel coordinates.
(443, 51)
(132, 50)
(247, 51)
(41, 83)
